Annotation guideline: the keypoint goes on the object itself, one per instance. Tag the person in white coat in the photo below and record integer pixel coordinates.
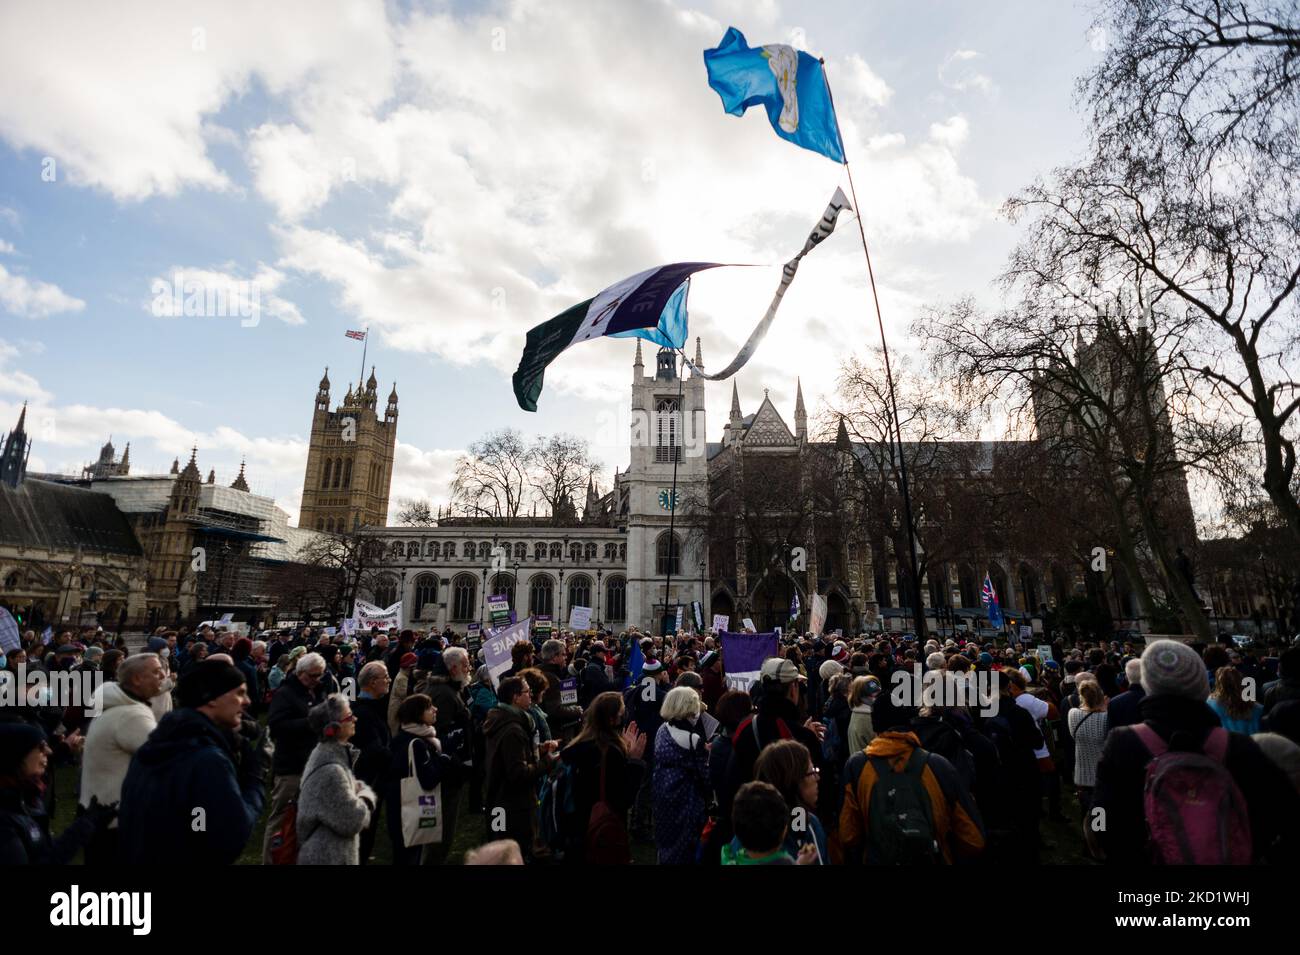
(124, 722)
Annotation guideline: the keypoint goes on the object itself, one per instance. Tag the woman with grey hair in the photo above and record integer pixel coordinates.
(334, 807)
(680, 781)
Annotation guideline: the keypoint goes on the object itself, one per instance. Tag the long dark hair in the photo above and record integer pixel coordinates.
(600, 722)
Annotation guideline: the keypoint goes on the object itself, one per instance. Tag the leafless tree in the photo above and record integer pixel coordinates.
(1193, 180)
(492, 477)
(415, 513)
(559, 468)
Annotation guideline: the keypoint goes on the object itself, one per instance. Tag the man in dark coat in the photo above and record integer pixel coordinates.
(1125, 708)
(642, 702)
(513, 765)
(563, 718)
(294, 738)
(1288, 685)
(593, 680)
(447, 685)
(1174, 677)
(197, 786)
(372, 740)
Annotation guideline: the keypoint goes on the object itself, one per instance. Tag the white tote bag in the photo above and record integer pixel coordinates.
(421, 808)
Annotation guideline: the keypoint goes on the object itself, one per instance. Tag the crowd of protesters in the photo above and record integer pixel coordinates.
(589, 744)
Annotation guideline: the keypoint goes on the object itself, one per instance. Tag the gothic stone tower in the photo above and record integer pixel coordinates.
(667, 428)
(350, 461)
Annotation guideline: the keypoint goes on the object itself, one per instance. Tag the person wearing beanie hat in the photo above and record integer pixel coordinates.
(201, 755)
(1176, 717)
(1172, 668)
(644, 700)
(711, 672)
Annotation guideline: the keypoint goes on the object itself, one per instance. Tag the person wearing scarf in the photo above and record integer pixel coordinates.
(415, 717)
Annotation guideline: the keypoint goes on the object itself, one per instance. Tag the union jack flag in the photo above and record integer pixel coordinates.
(989, 596)
(359, 336)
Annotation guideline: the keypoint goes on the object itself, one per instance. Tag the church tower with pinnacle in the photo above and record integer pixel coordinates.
(666, 542)
(350, 459)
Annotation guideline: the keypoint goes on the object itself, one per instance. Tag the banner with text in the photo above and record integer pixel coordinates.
(743, 655)
(496, 651)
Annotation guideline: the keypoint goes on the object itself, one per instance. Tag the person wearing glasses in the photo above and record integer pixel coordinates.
(334, 807)
(786, 765)
(514, 764)
(291, 732)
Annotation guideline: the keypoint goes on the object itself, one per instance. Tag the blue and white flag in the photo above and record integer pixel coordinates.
(788, 83)
(794, 605)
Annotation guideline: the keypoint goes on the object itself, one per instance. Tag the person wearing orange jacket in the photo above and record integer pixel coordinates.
(923, 815)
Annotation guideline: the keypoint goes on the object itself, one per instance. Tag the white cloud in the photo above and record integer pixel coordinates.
(207, 293)
(503, 182)
(14, 381)
(121, 95)
(6, 248)
(958, 73)
(952, 132)
(29, 298)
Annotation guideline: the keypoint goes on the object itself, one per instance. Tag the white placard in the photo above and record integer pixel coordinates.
(580, 618)
(720, 622)
(749, 624)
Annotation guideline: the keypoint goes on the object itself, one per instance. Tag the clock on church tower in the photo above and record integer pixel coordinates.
(667, 499)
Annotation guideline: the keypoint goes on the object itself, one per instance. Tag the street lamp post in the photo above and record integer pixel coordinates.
(514, 590)
(564, 553)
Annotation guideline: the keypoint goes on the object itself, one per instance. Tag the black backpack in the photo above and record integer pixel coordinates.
(901, 818)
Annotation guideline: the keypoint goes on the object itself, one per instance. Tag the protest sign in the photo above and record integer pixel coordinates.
(743, 655)
(579, 618)
(498, 609)
(720, 622)
(496, 651)
(817, 620)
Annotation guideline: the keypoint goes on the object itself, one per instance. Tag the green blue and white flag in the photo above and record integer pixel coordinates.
(650, 301)
(788, 83)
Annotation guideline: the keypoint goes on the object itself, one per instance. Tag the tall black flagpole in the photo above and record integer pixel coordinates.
(897, 429)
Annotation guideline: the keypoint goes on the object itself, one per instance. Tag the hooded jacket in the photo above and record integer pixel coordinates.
(122, 727)
(512, 766)
(1271, 801)
(188, 764)
(957, 826)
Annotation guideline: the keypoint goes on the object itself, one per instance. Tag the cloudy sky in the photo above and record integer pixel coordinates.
(449, 174)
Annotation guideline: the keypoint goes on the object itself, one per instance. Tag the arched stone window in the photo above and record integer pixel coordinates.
(668, 554)
(580, 591)
(615, 608)
(464, 597)
(426, 594)
(386, 591)
(541, 595)
(325, 478)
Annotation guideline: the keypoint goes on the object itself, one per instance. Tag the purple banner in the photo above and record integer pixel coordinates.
(743, 655)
